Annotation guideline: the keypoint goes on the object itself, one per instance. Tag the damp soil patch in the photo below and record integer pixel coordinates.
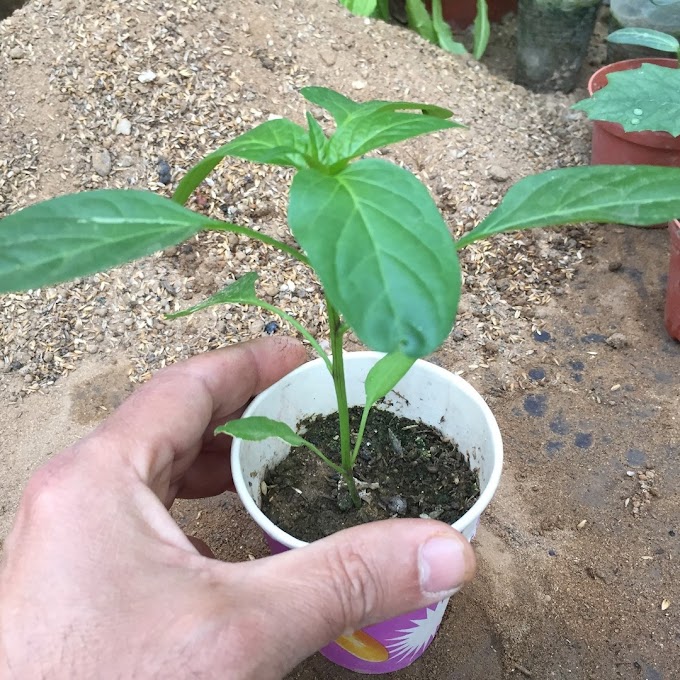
(405, 469)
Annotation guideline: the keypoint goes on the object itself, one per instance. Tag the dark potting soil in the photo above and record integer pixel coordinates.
(405, 468)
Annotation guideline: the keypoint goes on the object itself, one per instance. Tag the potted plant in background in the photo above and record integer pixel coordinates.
(389, 271)
(635, 108)
(429, 20)
(635, 104)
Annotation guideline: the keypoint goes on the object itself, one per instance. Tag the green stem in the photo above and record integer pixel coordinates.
(338, 373)
(325, 459)
(216, 225)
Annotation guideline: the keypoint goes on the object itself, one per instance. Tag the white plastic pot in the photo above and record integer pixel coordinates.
(427, 393)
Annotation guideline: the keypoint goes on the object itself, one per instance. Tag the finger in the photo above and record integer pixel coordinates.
(162, 425)
(352, 579)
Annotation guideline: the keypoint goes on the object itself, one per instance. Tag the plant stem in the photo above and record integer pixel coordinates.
(337, 332)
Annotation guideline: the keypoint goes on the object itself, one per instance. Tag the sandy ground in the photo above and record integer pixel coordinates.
(579, 548)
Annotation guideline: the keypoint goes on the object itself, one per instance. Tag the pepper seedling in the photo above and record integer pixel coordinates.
(368, 228)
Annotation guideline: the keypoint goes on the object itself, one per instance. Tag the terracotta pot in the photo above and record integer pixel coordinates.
(612, 146)
(673, 290)
(462, 13)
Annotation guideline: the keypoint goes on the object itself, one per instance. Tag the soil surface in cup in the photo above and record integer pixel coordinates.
(405, 469)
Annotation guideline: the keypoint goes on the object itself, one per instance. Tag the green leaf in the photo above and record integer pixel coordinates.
(241, 291)
(481, 29)
(278, 142)
(81, 234)
(362, 8)
(257, 428)
(444, 35)
(625, 194)
(645, 98)
(419, 20)
(375, 124)
(382, 252)
(335, 103)
(385, 374)
(645, 37)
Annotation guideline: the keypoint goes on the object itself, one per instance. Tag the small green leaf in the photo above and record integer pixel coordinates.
(382, 251)
(241, 291)
(445, 37)
(362, 8)
(385, 374)
(257, 428)
(419, 20)
(278, 142)
(645, 98)
(382, 10)
(624, 194)
(375, 124)
(645, 37)
(81, 234)
(481, 30)
(335, 103)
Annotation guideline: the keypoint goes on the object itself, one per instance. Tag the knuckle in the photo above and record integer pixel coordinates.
(356, 585)
(47, 488)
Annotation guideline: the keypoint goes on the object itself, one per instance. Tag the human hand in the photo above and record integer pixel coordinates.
(98, 581)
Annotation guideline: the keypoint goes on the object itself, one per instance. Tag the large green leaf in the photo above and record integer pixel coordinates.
(278, 142)
(80, 234)
(241, 291)
(382, 251)
(645, 98)
(481, 29)
(645, 37)
(445, 37)
(626, 194)
(375, 124)
(419, 20)
(335, 103)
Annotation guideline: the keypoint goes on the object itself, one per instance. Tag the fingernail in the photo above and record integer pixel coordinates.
(441, 563)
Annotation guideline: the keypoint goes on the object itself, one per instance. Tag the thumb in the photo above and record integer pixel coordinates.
(353, 579)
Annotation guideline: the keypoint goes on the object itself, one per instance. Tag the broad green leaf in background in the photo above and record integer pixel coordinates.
(81, 234)
(335, 103)
(362, 8)
(241, 291)
(419, 20)
(382, 252)
(257, 428)
(481, 29)
(377, 124)
(645, 37)
(645, 98)
(278, 142)
(445, 37)
(625, 194)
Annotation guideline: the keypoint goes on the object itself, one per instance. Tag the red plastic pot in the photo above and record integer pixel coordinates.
(613, 146)
(463, 12)
(673, 290)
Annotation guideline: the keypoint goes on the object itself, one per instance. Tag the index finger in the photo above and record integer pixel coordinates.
(160, 427)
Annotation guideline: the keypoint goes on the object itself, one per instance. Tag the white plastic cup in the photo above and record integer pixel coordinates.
(427, 393)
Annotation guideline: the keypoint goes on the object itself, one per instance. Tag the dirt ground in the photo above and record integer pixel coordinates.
(561, 333)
